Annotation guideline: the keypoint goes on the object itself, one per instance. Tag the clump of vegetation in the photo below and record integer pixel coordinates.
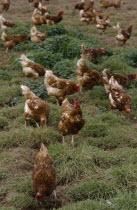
(130, 57)
(37, 87)
(3, 122)
(95, 129)
(93, 189)
(5, 75)
(64, 69)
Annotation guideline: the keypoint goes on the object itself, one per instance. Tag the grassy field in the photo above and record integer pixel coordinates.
(100, 172)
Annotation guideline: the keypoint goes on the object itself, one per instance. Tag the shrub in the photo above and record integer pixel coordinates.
(46, 59)
(55, 30)
(37, 87)
(64, 69)
(5, 75)
(93, 189)
(130, 57)
(116, 65)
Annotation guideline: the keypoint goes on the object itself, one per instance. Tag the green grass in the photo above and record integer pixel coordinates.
(99, 173)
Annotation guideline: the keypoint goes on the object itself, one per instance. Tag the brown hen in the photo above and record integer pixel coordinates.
(44, 174)
(59, 87)
(122, 79)
(71, 119)
(91, 53)
(35, 108)
(87, 77)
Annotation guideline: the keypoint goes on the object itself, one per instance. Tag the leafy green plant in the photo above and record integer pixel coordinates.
(64, 69)
(37, 87)
(130, 57)
(5, 75)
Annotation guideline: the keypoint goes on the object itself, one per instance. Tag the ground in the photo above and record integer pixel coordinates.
(100, 171)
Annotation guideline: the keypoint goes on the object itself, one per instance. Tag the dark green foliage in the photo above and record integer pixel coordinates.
(37, 87)
(55, 30)
(64, 69)
(130, 57)
(23, 29)
(93, 189)
(116, 65)
(5, 75)
(27, 45)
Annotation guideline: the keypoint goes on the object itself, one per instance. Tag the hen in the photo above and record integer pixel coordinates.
(5, 5)
(90, 15)
(37, 18)
(102, 24)
(123, 34)
(71, 119)
(35, 108)
(87, 77)
(37, 36)
(9, 41)
(86, 16)
(105, 4)
(30, 68)
(122, 79)
(84, 5)
(59, 87)
(118, 98)
(44, 174)
(50, 20)
(42, 7)
(5, 24)
(91, 53)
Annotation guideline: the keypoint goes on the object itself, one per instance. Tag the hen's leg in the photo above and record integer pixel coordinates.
(81, 90)
(72, 141)
(57, 102)
(25, 124)
(63, 140)
(55, 195)
(37, 125)
(7, 50)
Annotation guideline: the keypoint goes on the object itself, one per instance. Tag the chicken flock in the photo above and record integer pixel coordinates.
(71, 120)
